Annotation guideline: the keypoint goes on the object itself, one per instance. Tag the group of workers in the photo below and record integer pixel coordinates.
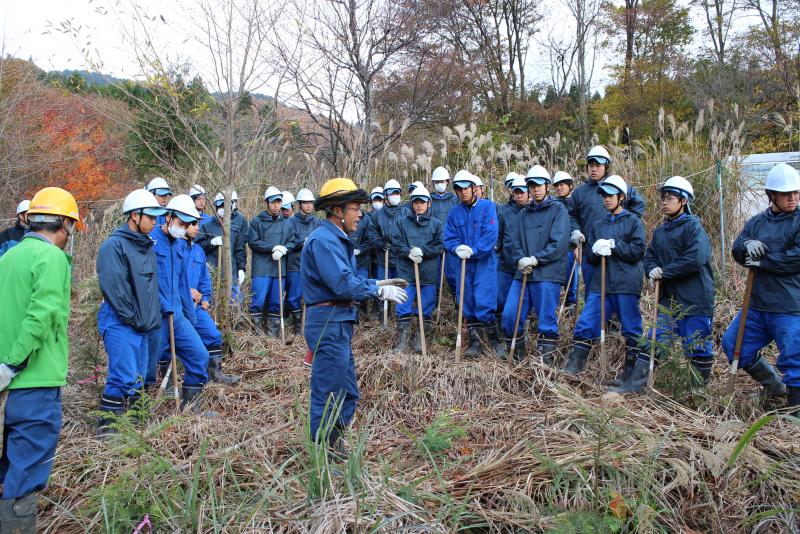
(154, 273)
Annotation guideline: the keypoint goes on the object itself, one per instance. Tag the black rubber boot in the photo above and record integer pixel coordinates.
(631, 355)
(111, 408)
(273, 325)
(702, 371)
(403, 333)
(163, 367)
(497, 340)
(18, 516)
(577, 358)
(793, 401)
(427, 324)
(190, 401)
(215, 373)
(257, 319)
(520, 348)
(297, 322)
(476, 336)
(547, 350)
(766, 375)
(636, 380)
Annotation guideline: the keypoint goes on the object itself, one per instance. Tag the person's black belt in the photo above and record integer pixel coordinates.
(337, 303)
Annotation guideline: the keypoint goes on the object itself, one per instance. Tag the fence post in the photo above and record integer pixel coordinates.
(721, 214)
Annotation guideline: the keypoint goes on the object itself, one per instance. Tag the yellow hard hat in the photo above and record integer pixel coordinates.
(338, 191)
(56, 201)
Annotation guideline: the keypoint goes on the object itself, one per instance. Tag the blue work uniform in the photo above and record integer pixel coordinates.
(238, 240)
(586, 208)
(200, 280)
(332, 291)
(775, 301)
(681, 248)
(129, 314)
(507, 231)
(302, 226)
(176, 301)
(424, 232)
(476, 227)
(441, 204)
(571, 285)
(267, 231)
(624, 275)
(543, 232)
(384, 226)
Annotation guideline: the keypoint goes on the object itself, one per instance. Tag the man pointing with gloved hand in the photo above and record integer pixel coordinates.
(332, 290)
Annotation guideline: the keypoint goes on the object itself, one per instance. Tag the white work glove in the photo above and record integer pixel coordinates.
(278, 251)
(394, 294)
(756, 249)
(6, 374)
(656, 274)
(526, 264)
(415, 254)
(217, 241)
(577, 237)
(463, 252)
(241, 277)
(751, 262)
(602, 247)
(356, 252)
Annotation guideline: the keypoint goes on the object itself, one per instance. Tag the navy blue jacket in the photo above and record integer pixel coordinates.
(267, 231)
(199, 277)
(424, 232)
(173, 275)
(329, 274)
(441, 204)
(362, 239)
(624, 268)
(126, 270)
(543, 232)
(776, 287)
(384, 225)
(586, 207)
(302, 226)
(12, 233)
(683, 251)
(507, 233)
(212, 229)
(239, 222)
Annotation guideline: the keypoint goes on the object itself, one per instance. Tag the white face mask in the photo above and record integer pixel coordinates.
(394, 200)
(440, 187)
(377, 206)
(221, 213)
(178, 232)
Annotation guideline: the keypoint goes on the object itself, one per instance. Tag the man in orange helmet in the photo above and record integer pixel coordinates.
(35, 283)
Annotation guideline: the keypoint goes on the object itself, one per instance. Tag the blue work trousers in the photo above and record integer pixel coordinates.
(189, 349)
(266, 297)
(480, 293)
(294, 291)
(452, 272)
(626, 307)
(572, 290)
(30, 434)
(694, 332)
(504, 280)
(154, 354)
(543, 296)
(409, 307)
(128, 354)
(333, 375)
(587, 272)
(207, 329)
(760, 329)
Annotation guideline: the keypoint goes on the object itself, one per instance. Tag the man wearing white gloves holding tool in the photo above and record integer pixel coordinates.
(210, 239)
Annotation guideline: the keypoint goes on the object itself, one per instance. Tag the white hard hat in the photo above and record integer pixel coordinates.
(25, 205)
(561, 176)
(478, 180)
(158, 183)
(613, 185)
(538, 175)
(464, 179)
(376, 192)
(305, 195)
(183, 207)
(600, 155)
(679, 185)
(141, 199)
(414, 185)
(440, 174)
(273, 193)
(196, 191)
(509, 179)
(519, 182)
(219, 198)
(782, 178)
(420, 192)
(391, 185)
(288, 198)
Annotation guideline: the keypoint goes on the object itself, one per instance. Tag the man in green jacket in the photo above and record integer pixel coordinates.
(35, 281)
